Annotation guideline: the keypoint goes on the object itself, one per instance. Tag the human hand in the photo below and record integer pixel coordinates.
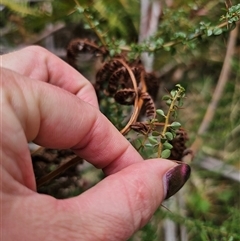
(63, 113)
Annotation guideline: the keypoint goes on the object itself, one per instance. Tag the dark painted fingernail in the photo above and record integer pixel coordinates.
(175, 178)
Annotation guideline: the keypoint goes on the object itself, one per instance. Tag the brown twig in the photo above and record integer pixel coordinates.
(58, 171)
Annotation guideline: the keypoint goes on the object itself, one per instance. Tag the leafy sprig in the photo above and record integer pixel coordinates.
(156, 42)
(162, 130)
(175, 101)
(232, 15)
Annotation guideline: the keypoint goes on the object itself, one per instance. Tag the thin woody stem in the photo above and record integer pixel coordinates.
(58, 171)
(167, 118)
(92, 26)
(48, 177)
(173, 43)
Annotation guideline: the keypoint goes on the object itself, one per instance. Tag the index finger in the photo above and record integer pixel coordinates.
(54, 118)
(38, 63)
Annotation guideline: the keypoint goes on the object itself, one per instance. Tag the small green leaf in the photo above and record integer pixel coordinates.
(160, 113)
(169, 136)
(173, 93)
(180, 102)
(155, 148)
(87, 26)
(167, 145)
(148, 145)
(166, 153)
(174, 134)
(152, 140)
(217, 31)
(112, 52)
(159, 41)
(155, 133)
(179, 86)
(163, 140)
(166, 48)
(175, 125)
(166, 97)
(174, 114)
(169, 102)
(209, 32)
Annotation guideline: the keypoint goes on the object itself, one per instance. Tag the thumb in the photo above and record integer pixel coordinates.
(125, 201)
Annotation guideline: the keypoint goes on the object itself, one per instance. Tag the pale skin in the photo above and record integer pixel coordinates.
(46, 101)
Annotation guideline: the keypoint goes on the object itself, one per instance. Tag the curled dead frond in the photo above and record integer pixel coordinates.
(179, 149)
(140, 127)
(149, 105)
(125, 96)
(77, 46)
(104, 74)
(152, 83)
(129, 84)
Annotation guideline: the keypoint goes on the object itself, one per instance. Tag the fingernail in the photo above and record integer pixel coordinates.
(175, 178)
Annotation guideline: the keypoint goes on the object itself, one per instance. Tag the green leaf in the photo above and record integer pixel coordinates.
(152, 140)
(166, 153)
(180, 102)
(80, 9)
(217, 31)
(169, 102)
(175, 125)
(162, 140)
(169, 136)
(166, 97)
(155, 133)
(209, 32)
(167, 145)
(166, 48)
(112, 52)
(173, 93)
(160, 113)
(174, 134)
(148, 145)
(155, 148)
(159, 41)
(180, 87)
(174, 114)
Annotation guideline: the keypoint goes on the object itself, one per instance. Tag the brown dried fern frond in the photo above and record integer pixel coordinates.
(104, 74)
(149, 105)
(179, 149)
(140, 127)
(77, 46)
(125, 96)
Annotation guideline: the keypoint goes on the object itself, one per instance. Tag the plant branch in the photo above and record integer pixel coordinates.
(58, 171)
(176, 42)
(92, 26)
(167, 118)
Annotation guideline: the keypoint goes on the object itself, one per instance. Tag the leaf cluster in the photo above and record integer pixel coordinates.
(232, 15)
(160, 139)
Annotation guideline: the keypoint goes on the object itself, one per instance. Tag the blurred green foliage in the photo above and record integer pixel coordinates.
(189, 48)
